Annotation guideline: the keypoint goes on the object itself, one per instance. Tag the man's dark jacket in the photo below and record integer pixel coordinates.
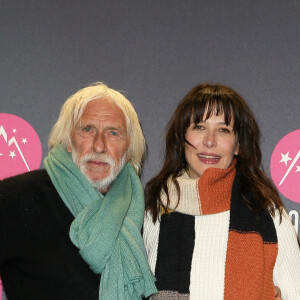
(38, 261)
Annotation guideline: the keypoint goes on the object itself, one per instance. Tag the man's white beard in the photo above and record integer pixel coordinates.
(101, 183)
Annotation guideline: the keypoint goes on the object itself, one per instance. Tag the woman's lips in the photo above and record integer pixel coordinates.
(209, 159)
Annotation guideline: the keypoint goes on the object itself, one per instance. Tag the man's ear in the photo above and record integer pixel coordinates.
(128, 156)
(69, 148)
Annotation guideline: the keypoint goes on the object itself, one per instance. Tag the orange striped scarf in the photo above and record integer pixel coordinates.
(252, 242)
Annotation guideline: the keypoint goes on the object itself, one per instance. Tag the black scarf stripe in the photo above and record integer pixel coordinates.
(175, 251)
(243, 220)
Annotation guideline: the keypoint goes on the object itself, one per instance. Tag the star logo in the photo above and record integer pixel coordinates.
(12, 154)
(290, 167)
(285, 166)
(285, 158)
(20, 146)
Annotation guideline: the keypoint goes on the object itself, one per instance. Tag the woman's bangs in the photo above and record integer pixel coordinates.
(204, 109)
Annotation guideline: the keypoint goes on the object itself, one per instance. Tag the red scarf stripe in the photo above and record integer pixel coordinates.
(249, 258)
(215, 189)
(270, 250)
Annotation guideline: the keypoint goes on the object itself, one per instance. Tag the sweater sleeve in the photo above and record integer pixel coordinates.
(150, 236)
(286, 274)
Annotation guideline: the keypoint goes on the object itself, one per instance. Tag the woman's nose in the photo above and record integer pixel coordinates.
(209, 139)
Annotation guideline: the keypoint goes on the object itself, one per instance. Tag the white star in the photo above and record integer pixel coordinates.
(298, 169)
(24, 141)
(285, 158)
(1, 154)
(12, 154)
(14, 130)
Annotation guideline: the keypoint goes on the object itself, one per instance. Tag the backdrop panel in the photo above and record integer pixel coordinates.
(156, 51)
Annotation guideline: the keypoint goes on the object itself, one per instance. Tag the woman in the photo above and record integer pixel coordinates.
(215, 226)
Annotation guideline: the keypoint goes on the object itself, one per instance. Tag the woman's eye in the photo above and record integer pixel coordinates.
(226, 130)
(199, 127)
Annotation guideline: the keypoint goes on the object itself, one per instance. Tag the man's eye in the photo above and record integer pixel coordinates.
(114, 133)
(87, 129)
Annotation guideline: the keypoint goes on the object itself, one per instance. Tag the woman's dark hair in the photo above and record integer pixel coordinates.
(201, 102)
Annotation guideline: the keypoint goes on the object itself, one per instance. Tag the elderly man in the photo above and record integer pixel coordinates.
(72, 231)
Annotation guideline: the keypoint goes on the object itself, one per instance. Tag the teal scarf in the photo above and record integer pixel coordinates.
(106, 229)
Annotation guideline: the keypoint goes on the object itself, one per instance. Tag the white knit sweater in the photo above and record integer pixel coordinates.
(208, 263)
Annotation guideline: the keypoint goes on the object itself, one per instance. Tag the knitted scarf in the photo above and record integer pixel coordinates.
(252, 242)
(106, 229)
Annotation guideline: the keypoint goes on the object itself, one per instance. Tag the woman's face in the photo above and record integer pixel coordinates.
(215, 145)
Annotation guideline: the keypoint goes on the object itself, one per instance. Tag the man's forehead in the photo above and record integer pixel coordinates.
(100, 103)
(103, 110)
(102, 107)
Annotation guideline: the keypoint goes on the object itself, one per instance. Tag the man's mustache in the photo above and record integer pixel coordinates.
(96, 156)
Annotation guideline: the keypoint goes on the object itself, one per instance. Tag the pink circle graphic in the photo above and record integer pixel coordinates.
(285, 166)
(20, 146)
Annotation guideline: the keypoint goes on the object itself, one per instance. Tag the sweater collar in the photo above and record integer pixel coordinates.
(209, 194)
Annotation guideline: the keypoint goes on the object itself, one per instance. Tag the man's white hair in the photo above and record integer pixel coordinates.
(73, 109)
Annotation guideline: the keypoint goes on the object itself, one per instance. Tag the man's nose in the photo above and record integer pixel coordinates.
(209, 139)
(99, 144)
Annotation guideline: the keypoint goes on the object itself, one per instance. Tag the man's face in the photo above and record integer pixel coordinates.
(100, 142)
